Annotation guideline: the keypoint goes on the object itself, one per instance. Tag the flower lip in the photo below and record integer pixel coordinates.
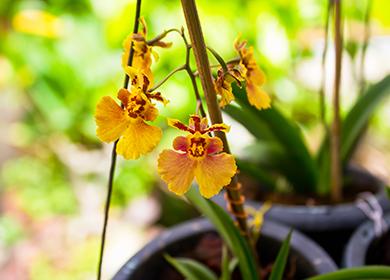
(197, 147)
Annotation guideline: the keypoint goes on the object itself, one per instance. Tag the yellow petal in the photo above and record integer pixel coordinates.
(111, 120)
(218, 127)
(126, 51)
(214, 172)
(225, 91)
(151, 113)
(177, 170)
(138, 139)
(258, 97)
(179, 125)
(37, 22)
(256, 76)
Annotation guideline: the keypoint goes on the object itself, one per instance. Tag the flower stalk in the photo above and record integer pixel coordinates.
(114, 154)
(233, 192)
(336, 181)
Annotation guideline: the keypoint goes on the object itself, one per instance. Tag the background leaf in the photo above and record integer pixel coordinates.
(281, 260)
(191, 269)
(228, 231)
(270, 125)
(353, 127)
(361, 273)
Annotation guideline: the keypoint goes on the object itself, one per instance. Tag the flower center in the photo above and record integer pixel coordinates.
(197, 147)
(136, 106)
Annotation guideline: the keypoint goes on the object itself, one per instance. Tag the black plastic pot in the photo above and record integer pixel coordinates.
(364, 246)
(329, 225)
(178, 241)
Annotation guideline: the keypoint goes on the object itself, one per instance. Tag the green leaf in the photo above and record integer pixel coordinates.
(356, 120)
(257, 173)
(191, 269)
(225, 264)
(357, 273)
(270, 125)
(281, 260)
(353, 127)
(228, 231)
(228, 265)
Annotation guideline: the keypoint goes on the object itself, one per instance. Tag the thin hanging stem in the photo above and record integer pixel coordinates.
(336, 181)
(323, 64)
(235, 199)
(114, 155)
(367, 35)
(159, 84)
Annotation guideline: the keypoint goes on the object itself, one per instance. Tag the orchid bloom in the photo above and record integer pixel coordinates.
(254, 76)
(197, 155)
(127, 122)
(224, 80)
(143, 51)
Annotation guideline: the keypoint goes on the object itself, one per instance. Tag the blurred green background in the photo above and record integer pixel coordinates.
(58, 57)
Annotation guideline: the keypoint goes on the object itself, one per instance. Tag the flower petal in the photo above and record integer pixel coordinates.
(257, 97)
(256, 75)
(123, 95)
(217, 127)
(111, 120)
(181, 143)
(177, 170)
(179, 125)
(138, 139)
(214, 145)
(151, 113)
(214, 172)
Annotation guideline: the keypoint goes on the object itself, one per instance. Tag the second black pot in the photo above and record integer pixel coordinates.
(329, 225)
(365, 248)
(149, 264)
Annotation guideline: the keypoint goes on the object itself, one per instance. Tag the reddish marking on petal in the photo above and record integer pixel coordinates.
(157, 96)
(215, 145)
(218, 127)
(123, 96)
(179, 125)
(194, 122)
(146, 83)
(180, 143)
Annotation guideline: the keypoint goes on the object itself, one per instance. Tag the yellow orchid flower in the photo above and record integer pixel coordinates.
(143, 51)
(197, 156)
(127, 122)
(254, 76)
(38, 22)
(223, 83)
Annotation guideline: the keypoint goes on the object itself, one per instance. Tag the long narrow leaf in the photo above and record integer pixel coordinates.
(191, 269)
(360, 273)
(353, 127)
(270, 125)
(225, 275)
(358, 117)
(228, 231)
(281, 260)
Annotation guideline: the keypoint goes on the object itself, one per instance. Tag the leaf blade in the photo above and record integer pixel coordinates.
(228, 231)
(191, 269)
(281, 260)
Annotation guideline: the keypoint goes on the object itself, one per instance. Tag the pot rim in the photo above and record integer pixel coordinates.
(356, 249)
(318, 218)
(311, 251)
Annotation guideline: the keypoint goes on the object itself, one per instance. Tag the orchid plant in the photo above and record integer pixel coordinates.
(203, 154)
